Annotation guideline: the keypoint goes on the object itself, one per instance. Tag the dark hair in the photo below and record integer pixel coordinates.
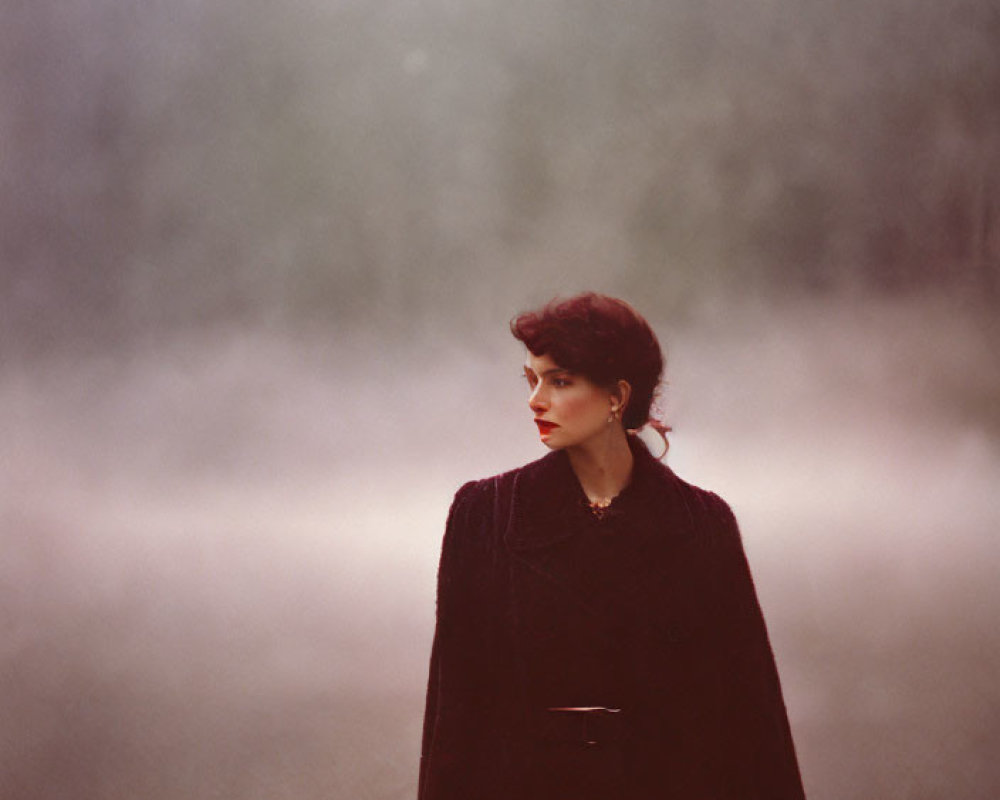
(603, 339)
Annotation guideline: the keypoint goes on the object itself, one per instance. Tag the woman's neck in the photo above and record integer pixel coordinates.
(602, 467)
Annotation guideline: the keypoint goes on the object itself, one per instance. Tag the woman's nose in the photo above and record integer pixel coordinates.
(537, 401)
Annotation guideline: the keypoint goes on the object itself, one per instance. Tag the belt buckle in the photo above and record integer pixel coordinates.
(589, 718)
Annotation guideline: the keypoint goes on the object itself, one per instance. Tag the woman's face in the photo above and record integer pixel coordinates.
(569, 409)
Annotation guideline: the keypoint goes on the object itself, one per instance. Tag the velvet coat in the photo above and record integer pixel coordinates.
(651, 609)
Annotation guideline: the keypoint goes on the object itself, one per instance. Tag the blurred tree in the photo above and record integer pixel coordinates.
(372, 163)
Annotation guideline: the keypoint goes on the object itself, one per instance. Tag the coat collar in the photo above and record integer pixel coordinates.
(550, 506)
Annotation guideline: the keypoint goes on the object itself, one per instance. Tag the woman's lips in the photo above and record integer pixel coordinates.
(544, 426)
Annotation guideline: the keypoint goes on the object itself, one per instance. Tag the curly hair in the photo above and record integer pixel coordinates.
(602, 338)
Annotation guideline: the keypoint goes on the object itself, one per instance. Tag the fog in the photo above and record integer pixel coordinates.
(256, 271)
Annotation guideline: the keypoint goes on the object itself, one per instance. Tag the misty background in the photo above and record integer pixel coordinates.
(256, 269)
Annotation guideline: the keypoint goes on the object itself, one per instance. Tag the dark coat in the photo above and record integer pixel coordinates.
(651, 610)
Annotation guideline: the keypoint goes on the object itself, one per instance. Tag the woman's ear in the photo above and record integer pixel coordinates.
(622, 391)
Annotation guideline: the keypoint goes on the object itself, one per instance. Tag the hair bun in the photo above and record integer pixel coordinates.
(654, 435)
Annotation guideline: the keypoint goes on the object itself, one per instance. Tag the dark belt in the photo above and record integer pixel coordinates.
(588, 726)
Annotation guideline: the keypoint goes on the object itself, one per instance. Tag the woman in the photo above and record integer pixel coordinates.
(598, 634)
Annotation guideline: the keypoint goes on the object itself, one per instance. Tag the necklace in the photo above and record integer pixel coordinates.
(600, 507)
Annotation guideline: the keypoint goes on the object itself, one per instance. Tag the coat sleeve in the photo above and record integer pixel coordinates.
(760, 758)
(455, 747)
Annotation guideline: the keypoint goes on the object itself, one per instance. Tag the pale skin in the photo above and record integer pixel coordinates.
(588, 420)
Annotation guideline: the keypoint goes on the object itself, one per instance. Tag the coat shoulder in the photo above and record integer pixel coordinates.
(700, 498)
(488, 489)
(479, 510)
(711, 515)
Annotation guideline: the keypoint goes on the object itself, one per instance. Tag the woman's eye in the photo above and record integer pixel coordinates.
(560, 382)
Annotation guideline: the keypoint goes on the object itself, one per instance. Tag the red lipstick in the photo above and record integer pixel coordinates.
(544, 426)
